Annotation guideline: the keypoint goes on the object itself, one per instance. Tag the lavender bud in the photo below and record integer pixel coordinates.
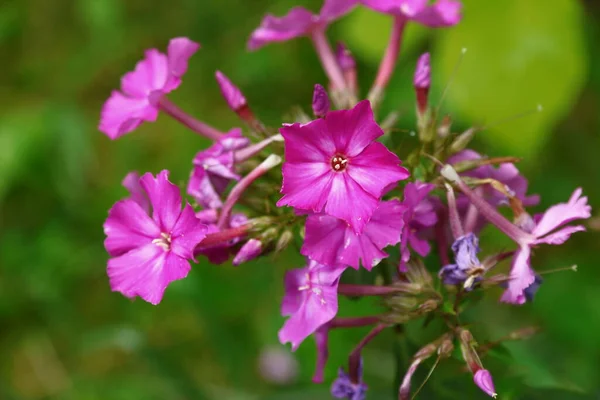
(422, 82)
(249, 251)
(483, 379)
(320, 102)
(232, 94)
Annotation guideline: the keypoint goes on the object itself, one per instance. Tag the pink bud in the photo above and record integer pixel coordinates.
(232, 94)
(483, 379)
(422, 82)
(320, 102)
(249, 251)
(344, 57)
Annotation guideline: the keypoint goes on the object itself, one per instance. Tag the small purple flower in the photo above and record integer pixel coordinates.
(298, 22)
(141, 90)
(331, 241)
(249, 251)
(483, 379)
(419, 215)
(214, 169)
(442, 13)
(149, 252)
(467, 264)
(310, 301)
(320, 102)
(334, 165)
(233, 96)
(344, 388)
(522, 277)
(220, 253)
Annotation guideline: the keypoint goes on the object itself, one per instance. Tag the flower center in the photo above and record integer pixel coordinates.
(315, 290)
(339, 163)
(163, 241)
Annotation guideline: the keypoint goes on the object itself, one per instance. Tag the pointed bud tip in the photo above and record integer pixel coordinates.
(320, 101)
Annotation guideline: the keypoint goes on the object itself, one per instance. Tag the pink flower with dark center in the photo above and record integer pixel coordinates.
(442, 13)
(143, 88)
(151, 251)
(419, 216)
(214, 169)
(310, 301)
(331, 241)
(298, 22)
(333, 165)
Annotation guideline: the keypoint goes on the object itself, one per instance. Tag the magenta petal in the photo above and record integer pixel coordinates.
(306, 185)
(298, 22)
(353, 130)
(292, 300)
(165, 199)
(333, 9)
(406, 8)
(560, 236)
(483, 379)
(321, 340)
(375, 168)
(308, 143)
(521, 277)
(121, 115)
(560, 214)
(150, 74)
(421, 246)
(179, 52)
(325, 239)
(128, 226)
(442, 13)
(187, 233)
(349, 201)
(131, 182)
(232, 94)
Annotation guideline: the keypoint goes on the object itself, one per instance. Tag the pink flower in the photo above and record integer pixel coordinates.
(141, 90)
(331, 241)
(249, 251)
(522, 275)
(310, 301)
(151, 251)
(220, 253)
(483, 379)
(214, 169)
(334, 165)
(419, 215)
(298, 22)
(442, 13)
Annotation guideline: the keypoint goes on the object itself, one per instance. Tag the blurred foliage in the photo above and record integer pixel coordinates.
(64, 335)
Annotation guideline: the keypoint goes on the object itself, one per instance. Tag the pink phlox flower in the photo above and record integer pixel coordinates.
(141, 90)
(334, 165)
(442, 13)
(297, 22)
(331, 241)
(222, 252)
(310, 301)
(214, 169)
(545, 230)
(420, 215)
(149, 251)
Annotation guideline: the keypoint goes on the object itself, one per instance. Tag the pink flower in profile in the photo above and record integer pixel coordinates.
(141, 90)
(232, 94)
(151, 251)
(214, 169)
(442, 13)
(419, 216)
(333, 165)
(544, 230)
(298, 22)
(331, 241)
(310, 301)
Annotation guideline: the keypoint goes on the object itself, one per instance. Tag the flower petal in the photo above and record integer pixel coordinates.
(131, 182)
(442, 13)
(563, 213)
(306, 185)
(179, 52)
(128, 226)
(121, 114)
(187, 233)
(298, 22)
(308, 143)
(165, 199)
(521, 277)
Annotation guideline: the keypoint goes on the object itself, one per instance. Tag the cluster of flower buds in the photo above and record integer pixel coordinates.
(340, 191)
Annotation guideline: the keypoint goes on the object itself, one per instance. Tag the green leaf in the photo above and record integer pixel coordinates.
(520, 54)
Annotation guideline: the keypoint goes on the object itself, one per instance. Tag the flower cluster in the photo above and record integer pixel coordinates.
(342, 190)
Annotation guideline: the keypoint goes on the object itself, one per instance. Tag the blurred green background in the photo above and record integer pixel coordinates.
(64, 335)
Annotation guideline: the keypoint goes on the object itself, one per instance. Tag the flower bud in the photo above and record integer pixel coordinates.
(284, 240)
(444, 127)
(249, 251)
(348, 65)
(483, 379)
(320, 102)
(462, 141)
(232, 94)
(446, 347)
(422, 82)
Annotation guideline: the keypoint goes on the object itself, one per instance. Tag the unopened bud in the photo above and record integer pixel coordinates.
(401, 303)
(444, 127)
(249, 251)
(269, 235)
(232, 94)
(427, 351)
(467, 347)
(284, 240)
(428, 306)
(462, 141)
(320, 102)
(259, 224)
(422, 82)
(446, 347)
(348, 65)
(524, 333)
(483, 379)
(418, 274)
